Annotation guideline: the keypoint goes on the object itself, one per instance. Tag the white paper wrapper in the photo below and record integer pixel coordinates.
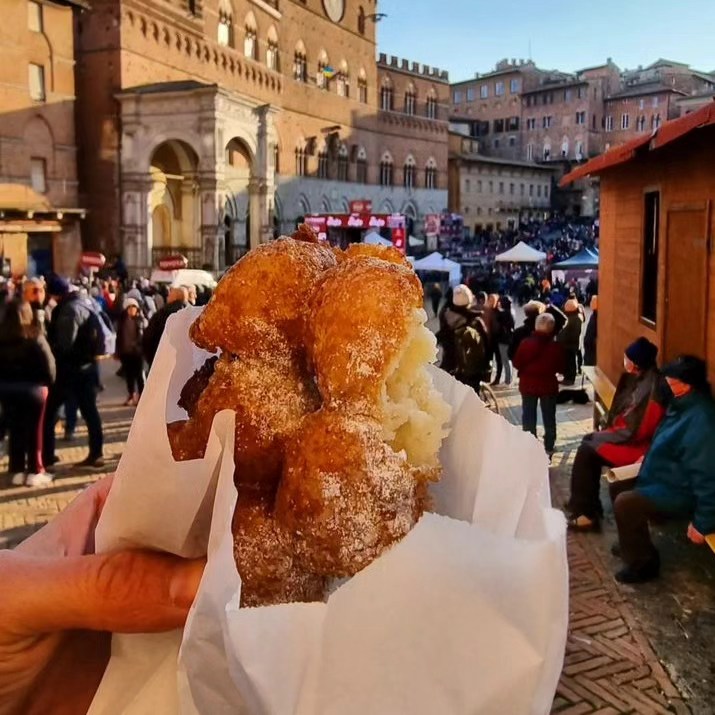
(468, 614)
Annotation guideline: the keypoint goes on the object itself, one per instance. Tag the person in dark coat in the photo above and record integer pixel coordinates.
(636, 411)
(177, 300)
(435, 295)
(76, 337)
(27, 369)
(455, 319)
(532, 310)
(590, 337)
(130, 332)
(570, 339)
(539, 359)
(505, 332)
(676, 478)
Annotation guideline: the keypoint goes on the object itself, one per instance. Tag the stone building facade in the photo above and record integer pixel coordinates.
(212, 126)
(493, 193)
(39, 208)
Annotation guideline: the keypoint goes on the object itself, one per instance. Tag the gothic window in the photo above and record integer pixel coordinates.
(301, 162)
(323, 164)
(272, 55)
(386, 170)
(410, 100)
(343, 163)
(387, 98)
(431, 175)
(300, 63)
(361, 166)
(409, 173)
(431, 106)
(225, 24)
(362, 87)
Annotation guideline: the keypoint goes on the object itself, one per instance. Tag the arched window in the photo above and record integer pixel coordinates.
(578, 151)
(321, 79)
(250, 38)
(225, 24)
(409, 173)
(431, 174)
(362, 86)
(300, 63)
(547, 151)
(343, 163)
(272, 56)
(387, 96)
(529, 152)
(431, 105)
(301, 161)
(564, 147)
(410, 99)
(343, 80)
(361, 21)
(386, 170)
(323, 163)
(361, 166)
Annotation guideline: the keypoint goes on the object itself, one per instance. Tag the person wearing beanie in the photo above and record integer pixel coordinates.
(130, 334)
(637, 409)
(676, 478)
(461, 321)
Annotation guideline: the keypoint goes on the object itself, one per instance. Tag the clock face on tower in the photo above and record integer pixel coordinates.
(334, 9)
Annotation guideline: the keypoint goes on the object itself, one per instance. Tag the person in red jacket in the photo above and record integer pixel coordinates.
(637, 410)
(539, 359)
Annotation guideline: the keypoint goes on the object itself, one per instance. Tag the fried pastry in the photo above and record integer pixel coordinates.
(345, 494)
(260, 305)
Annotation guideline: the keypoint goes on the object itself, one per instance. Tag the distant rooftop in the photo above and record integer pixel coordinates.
(647, 88)
(411, 67)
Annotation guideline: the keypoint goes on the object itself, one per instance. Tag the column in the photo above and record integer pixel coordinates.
(136, 239)
(210, 222)
(261, 185)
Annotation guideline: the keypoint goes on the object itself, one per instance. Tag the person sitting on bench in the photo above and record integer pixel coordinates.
(677, 477)
(635, 413)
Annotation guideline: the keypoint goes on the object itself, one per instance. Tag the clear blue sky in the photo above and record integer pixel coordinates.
(467, 36)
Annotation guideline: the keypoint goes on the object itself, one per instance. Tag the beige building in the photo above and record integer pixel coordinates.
(39, 209)
(210, 126)
(495, 193)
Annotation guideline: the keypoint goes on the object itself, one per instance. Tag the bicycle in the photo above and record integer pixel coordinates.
(488, 397)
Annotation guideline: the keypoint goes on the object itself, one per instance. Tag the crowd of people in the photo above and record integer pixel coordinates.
(52, 336)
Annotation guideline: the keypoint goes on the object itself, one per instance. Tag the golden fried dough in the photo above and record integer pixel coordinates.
(345, 495)
(265, 557)
(270, 398)
(260, 305)
(384, 253)
(360, 319)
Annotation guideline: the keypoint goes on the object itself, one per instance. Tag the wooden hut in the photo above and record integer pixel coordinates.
(657, 264)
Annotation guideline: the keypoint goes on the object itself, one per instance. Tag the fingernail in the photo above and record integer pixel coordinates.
(185, 582)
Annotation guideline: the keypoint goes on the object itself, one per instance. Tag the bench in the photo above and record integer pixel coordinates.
(603, 391)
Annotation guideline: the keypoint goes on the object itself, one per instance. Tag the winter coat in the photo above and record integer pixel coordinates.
(539, 359)
(520, 334)
(636, 412)
(155, 329)
(75, 333)
(589, 340)
(28, 361)
(678, 473)
(452, 319)
(505, 331)
(130, 332)
(570, 335)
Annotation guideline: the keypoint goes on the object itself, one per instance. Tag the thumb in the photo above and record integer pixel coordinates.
(125, 592)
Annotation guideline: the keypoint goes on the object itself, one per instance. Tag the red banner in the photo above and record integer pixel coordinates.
(432, 223)
(173, 263)
(90, 259)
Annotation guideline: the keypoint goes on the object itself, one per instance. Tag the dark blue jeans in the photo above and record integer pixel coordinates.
(548, 416)
(80, 384)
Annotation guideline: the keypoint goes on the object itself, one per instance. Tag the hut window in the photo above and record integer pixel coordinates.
(649, 266)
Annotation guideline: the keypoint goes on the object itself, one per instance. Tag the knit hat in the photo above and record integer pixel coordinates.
(688, 369)
(57, 285)
(571, 305)
(131, 303)
(462, 296)
(642, 353)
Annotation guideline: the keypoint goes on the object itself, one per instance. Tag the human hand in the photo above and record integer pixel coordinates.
(61, 602)
(695, 536)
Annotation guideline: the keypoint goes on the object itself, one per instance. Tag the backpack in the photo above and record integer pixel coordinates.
(472, 358)
(90, 342)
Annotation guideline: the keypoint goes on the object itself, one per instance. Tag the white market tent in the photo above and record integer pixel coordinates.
(375, 239)
(416, 242)
(437, 262)
(521, 253)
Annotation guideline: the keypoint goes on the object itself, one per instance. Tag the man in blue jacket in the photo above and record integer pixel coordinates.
(677, 478)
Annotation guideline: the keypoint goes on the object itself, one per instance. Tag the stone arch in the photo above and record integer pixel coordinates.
(303, 205)
(325, 204)
(174, 211)
(238, 161)
(386, 207)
